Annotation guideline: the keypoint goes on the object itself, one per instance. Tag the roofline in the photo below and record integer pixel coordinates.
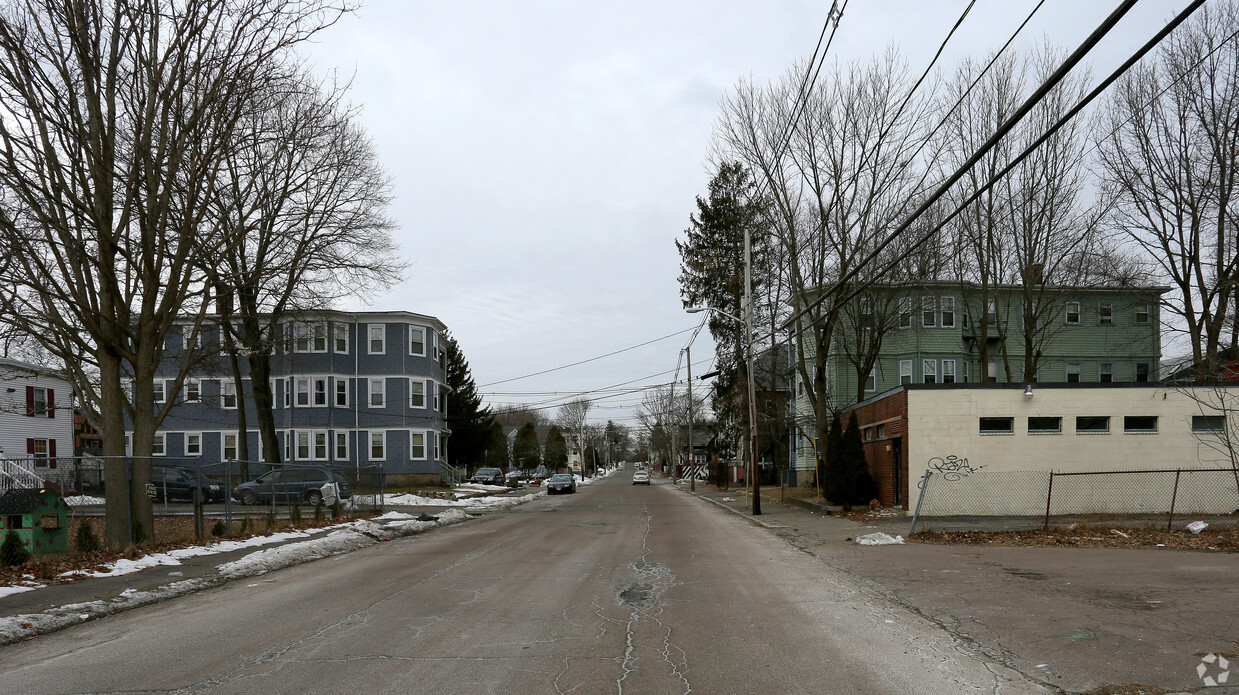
(962, 284)
(45, 371)
(359, 316)
(1037, 385)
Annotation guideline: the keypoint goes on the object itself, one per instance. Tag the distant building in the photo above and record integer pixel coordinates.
(956, 333)
(352, 390)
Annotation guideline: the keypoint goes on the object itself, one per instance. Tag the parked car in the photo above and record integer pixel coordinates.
(640, 478)
(560, 482)
(291, 485)
(538, 475)
(488, 476)
(180, 483)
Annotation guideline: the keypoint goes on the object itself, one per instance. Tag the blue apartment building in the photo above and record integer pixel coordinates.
(351, 390)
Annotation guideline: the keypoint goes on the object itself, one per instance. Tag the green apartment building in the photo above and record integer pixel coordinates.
(954, 332)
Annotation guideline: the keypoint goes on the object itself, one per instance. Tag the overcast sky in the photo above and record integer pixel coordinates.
(546, 154)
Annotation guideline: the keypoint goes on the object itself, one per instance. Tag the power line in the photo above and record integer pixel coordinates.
(591, 359)
(1050, 82)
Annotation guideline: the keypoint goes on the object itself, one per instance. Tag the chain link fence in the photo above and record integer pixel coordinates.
(1021, 500)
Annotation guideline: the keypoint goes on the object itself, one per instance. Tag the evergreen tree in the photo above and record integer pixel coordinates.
(712, 275)
(526, 452)
(857, 485)
(12, 552)
(496, 453)
(556, 449)
(465, 416)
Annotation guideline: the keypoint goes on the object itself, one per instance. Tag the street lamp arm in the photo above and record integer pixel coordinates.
(699, 309)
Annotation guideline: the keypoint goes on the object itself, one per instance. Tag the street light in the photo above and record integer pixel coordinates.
(754, 473)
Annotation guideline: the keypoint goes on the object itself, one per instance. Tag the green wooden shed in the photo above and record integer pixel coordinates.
(39, 517)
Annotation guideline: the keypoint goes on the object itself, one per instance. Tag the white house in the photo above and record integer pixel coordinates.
(36, 414)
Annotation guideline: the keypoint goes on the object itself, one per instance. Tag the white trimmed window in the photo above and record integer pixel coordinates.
(378, 446)
(871, 381)
(928, 310)
(159, 444)
(229, 446)
(434, 339)
(377, 341)
(946, 307)
(433, 388)
(1073, 314)
(991, 312)
(228, 395)
(1105, 372)
(340, 335)
(417, 445)
(320, 391)
(1144, 314)
(1073, 372)
(193, 444)
(905, 312)
(160, 390)
(905, 371)
(375, 390)
(303, 392)
(319, 336)
(288, 394)
(193, 390)
(417, 341)
(301, 337)
(417, 394)
(341, 446)
(341, 392)
(1105, 313)
(929, 371)
(948, 371)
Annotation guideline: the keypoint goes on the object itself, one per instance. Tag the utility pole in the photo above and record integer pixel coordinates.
(692, 476)
(748, 327)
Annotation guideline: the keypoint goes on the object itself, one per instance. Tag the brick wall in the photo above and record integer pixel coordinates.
(884, 429)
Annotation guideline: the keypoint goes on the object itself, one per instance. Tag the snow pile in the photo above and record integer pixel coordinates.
(341, 539)
(83, 500)
(879, 538)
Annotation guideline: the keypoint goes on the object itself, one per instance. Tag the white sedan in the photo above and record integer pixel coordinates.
(641, 478)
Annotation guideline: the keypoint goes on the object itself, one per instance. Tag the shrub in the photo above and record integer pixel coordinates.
(87, 541)
(294, 514)
(246, 526)
(218, 529)
(271, 520)
(12, 551)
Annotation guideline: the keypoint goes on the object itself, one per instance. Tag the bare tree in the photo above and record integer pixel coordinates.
(838, 178)
(1169, 160)
(113, 122)
(301, 206)
(572, 418)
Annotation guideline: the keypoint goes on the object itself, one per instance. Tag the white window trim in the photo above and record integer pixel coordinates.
(929, 311)
(434, 339)
(159, 444)
(1067, 312)
(1102, 321)
(341, 446)
(943, 303)
(338, 391)
(905, 313)
(1079, 373)
(370, 328)
(382, 435)
(223, 445)
(953, 372)
(382, 383)
(298, 391)
(413, 434)
(420, 401)
(929, 367)
(188, 435)
(159, 388)
(905, 370)
(315, 383)
(339, 332)
(1148, 315)
(419, 331)
(197, 383)
(223, 394)
(433, 387)
(871, 381)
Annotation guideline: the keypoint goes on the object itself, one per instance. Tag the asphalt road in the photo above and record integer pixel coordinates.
(616, 589)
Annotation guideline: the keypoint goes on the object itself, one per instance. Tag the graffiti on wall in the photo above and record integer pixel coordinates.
(952, 467)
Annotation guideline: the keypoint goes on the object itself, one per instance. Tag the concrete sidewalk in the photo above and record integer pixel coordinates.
(1078, 619)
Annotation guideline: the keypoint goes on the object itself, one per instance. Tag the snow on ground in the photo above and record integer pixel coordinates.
(83, 500)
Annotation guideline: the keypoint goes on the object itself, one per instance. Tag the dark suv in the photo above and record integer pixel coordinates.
(291, 485)
(179, 484)
(488, 476)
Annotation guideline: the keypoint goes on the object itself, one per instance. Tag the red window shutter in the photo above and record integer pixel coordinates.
(51, 451)
(30, 401)
(29, 445)
(51, 406)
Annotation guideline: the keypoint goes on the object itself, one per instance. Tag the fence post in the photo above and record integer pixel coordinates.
(916, 515)
(1048, 496)
(1173, 498)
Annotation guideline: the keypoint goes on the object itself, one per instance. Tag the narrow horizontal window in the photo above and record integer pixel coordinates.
(997, 425)
(1045, 425)
(1208, 423)
(1092, 424)
(1140, 423)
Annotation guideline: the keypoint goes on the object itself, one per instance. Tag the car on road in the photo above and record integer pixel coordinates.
(488, 476)
(180, 484)
(292, 485)
(640, 478)
(538, 475)
(560, 482)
